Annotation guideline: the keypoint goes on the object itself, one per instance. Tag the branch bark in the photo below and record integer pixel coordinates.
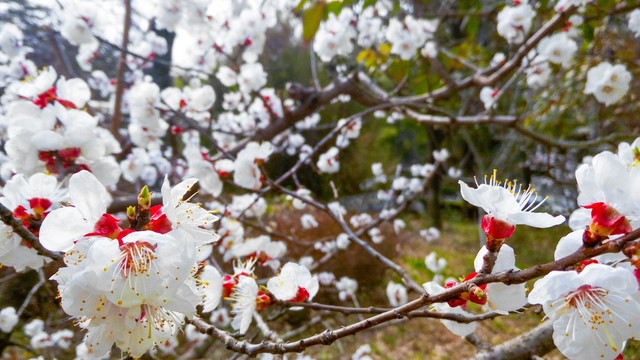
(6, 216)
(122, 66)
(536, 342)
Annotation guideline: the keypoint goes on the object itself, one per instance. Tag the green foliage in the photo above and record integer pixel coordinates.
(311, 19)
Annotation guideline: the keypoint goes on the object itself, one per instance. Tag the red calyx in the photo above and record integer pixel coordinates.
(32, 220)
(66, 103)
(122, 234)
(158, 222)
(260, 256)
(107, 226)
(478, 294)
(228, 284)
(496, 230)
(262, 300)
(39, 205)
(608, 218)
(457, 301)
(301, 296)
(49, 97)
(636, 273)
(605, 221)
(20, 213)
(46, 98)
(69, 154)
(584, 263)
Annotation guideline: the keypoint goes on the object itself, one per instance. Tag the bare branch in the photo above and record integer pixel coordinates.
(122, 66)
(535, 342)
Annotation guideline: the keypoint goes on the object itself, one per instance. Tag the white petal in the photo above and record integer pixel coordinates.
(62, 227)
(504, 298)
(88, 195)
(553, 286)
(212, 287)
(535, 219)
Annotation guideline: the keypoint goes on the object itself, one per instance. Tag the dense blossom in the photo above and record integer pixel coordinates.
(217, 98)
(118, 279)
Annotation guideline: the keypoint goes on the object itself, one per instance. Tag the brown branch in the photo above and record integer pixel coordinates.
(619, 10)
(521, 276)
(461, 120)
(365, 92)
(376, 310)
(325, 338)
(565, 144)
(271, 233)
(122, 66)
(538, 341)
(55, 44)
(192, 124)
(437, 67)
(489, 261)
(6, 216)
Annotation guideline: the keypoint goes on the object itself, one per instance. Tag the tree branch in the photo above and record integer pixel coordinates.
(6, 216)
(538, 341)
(122, 66)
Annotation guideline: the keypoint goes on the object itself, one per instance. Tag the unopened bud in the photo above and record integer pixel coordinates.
(478, 292)
(131, 213)
(497, 231)
(144, 198)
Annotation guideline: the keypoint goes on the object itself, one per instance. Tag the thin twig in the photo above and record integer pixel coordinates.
(122, 66)
(27, 299)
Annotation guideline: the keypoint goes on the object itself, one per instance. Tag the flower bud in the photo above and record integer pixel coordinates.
(605, 221)
(497, 231)
(131, 214)
(144, 199)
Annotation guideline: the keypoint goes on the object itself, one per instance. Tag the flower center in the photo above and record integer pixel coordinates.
(135, 258)
(589, 305)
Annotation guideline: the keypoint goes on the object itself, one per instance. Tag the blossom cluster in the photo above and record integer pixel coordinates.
(141, 278)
